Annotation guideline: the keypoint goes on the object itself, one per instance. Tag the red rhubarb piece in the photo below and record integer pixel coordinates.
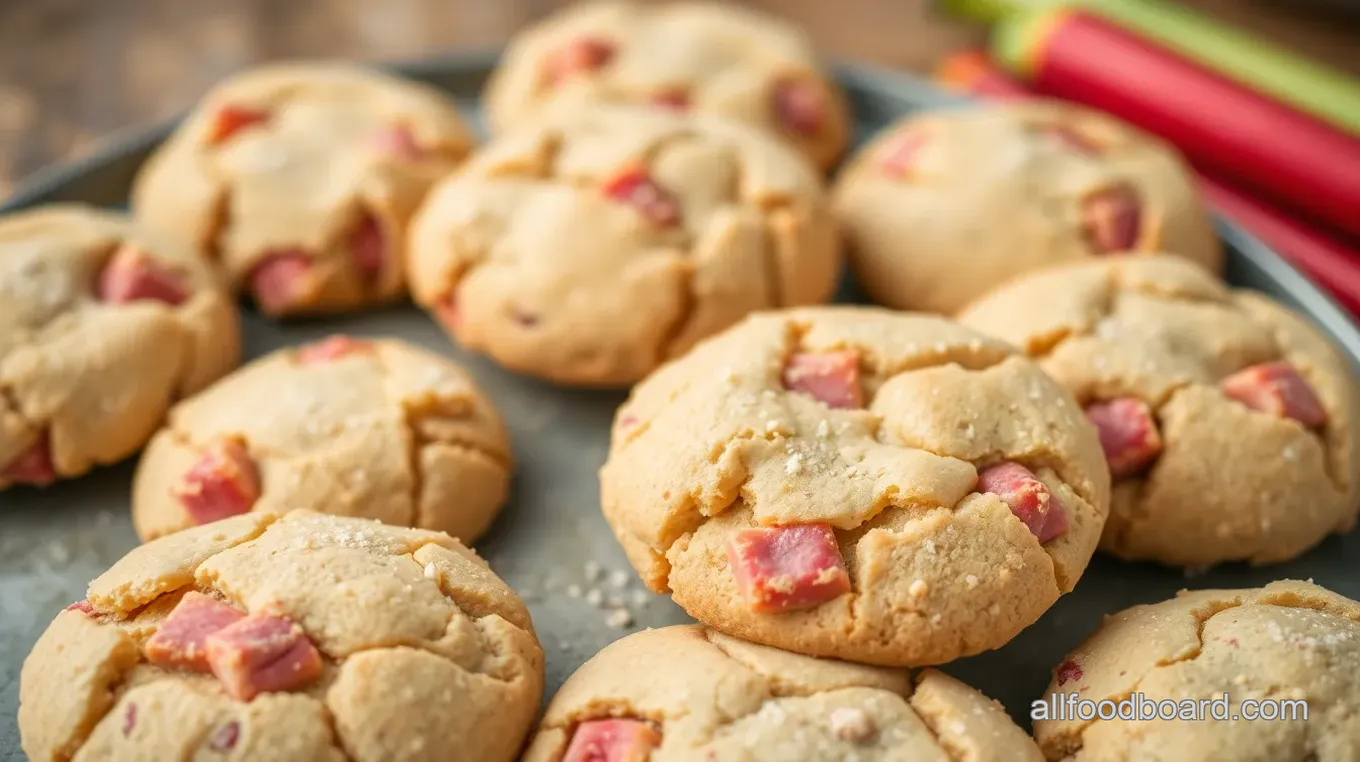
(332, 348)
(584, 54)
(899, 156)
(635, 187)
(446, 312)
(799, 106)
(368, 247)
(129, 718)
(83, 606)
(33, 466)
(613, 740)
(1070, 139)
(675, 100)
(1128, 434)
(1276, 388)
(786, 568)
(281, 280)
(832, 377)
(398, 142)
(181, 640)
(1028, 498)
(1112, 219)
(262, 653)
(229, 120)
(131, 275)
(224, 738)
(1068, 672)
(223, 482)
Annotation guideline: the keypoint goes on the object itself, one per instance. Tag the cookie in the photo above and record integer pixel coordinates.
(589, 249)
(376, 429)
(1285, 642)
(303, 637)
(102, 327)
(689, 693)
(942, 206)
(856, 483)
(1230, 425)
(299, 181)
(685, 56)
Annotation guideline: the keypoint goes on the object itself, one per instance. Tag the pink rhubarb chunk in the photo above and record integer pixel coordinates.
(262, 653)
(786, 568)
(799, 106)
(614, 740)
(33, 466)
(281, 280)
(229, 120)
(181, 641)
(1276, 388)
(635, 187)
(83, 606)
(131, 275)
(1029, 499)
(675, 100)
(446, 312)
(581, 55)
(1070, 139)
(832, 377)
(332, 348)
(899, 156)
(223, 482)
(368, 248)
(1128, 434)
(398, 142)
(1112, 219)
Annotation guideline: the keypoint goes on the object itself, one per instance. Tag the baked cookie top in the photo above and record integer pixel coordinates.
(1230, 424)
(944, 205)
(701, 56)
(101, 328)
(590, 248)
(303, 637)
(856, 483)
(690, 693)
(1286, 641)
(299, 180)
(372, 428)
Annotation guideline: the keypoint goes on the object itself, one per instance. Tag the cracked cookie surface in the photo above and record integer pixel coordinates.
(706, 57)
(1289, 640)
(102, 328)
(1230, 423)
(942, 206)
(417, 648)
(372, 428)
(299, 180)
(690, 693)
(933, 512)
(591, 248)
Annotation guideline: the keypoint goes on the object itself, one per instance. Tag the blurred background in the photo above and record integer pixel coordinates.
(73, 71)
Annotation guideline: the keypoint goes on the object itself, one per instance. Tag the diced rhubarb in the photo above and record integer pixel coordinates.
(899, 157)
(584, 54)
(83, 606)
(1070, 139)
(131, 275)
(1028, 498)
(800, 106)
(1069, 671)
(181, 641)
(332, 348)
(832, 377)
(1112, 219)
(225, 737)
(446, 311)
(613, 740)
(223, 482)
(1276, 388)
(787, 568)
(229, 120)
(635, 187)
(129, 719)
(398, 142)
(262, 653)
(281, 280)
(676, 100)
(368, 248)
(33, 466)
(1128, 434)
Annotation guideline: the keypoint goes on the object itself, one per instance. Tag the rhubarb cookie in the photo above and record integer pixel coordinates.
(589, 249)
(1230, 425)
(942, 206)
(689, 693)
(102, 327)
(856, 483)
(685, 56)
(1219, 676)
(375, 429)
(307, 637)
(299, 181)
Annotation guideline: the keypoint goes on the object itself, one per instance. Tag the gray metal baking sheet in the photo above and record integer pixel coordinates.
(53, 541)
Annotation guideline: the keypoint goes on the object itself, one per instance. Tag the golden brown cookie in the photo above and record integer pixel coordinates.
(945, 205)
(307, 637)
(690, 693)
(856, 483)
(300, 179)
(375, 429)
(707, 57)
(1229, 423)
(1274, 668)
(592, 248)
(102, 327)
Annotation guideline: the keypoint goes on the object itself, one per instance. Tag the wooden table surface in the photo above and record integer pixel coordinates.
(72, 71)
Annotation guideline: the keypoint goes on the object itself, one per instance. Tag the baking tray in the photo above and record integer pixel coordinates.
(53, 541)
